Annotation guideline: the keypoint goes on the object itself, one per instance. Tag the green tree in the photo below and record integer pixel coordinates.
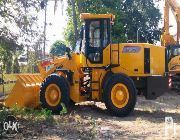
(6, 59)
(22, 24)
(144, 17)
(131, 16)
(18, 28)
(32, 63)
(58, 48)
(16, 67)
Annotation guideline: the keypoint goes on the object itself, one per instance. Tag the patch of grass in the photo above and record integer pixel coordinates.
(93, 131)
(64, 109)
(27, 113)
(4, 113)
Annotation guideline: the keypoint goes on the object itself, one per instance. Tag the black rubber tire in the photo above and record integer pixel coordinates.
(120, 78)
(105, 82)
(62, 83)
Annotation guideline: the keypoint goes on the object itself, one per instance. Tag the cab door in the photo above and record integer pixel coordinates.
(97, 38)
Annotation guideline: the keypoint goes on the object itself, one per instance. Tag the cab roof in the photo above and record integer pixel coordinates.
(85, 16)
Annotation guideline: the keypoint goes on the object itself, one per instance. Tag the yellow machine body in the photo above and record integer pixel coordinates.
(130, 63)
(126, 59)
(174, 64)
(142, 62)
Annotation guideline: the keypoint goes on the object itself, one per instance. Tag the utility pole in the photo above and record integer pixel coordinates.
(138, 35)
(45, 24)
(27, 31)
(74, 19)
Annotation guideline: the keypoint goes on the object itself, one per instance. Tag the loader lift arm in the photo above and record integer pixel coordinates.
(166, 38)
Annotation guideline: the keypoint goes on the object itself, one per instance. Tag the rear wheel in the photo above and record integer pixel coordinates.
(120, 95)
(53, 92)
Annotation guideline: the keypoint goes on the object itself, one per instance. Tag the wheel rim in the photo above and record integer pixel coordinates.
(120, 95)
(53, 95)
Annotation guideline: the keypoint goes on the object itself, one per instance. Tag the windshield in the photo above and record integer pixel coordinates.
(94, 34)
(176, 52)
(173, 51)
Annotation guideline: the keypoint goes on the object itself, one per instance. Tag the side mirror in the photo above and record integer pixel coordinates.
(68, 51)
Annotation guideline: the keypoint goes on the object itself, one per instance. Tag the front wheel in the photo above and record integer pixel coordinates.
(53, 92)
(120, 95)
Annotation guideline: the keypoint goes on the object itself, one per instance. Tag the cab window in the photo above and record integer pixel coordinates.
(97, 38)
(94, 34)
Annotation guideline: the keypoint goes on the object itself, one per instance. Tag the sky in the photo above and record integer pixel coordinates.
(59, 21)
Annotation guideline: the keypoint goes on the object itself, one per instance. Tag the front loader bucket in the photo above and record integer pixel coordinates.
(25, 93)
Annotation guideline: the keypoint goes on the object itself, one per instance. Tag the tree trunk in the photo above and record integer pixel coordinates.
(79, 6)
(74, 19)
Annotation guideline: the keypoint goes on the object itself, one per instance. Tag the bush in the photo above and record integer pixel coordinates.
(58, 49)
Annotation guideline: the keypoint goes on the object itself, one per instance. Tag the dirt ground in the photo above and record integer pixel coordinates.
(90, 120)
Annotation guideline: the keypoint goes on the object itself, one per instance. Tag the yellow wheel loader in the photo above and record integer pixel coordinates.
(99, 70)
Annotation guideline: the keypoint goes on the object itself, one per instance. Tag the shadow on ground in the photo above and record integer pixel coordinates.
(152, 116)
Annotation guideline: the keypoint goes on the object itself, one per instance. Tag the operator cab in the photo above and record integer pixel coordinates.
(173, 51)
(95, 36)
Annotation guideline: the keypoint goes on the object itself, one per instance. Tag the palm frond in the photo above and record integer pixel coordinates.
(62, 5)
(56, 5)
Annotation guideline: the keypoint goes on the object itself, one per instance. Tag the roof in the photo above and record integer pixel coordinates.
(84, 16)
